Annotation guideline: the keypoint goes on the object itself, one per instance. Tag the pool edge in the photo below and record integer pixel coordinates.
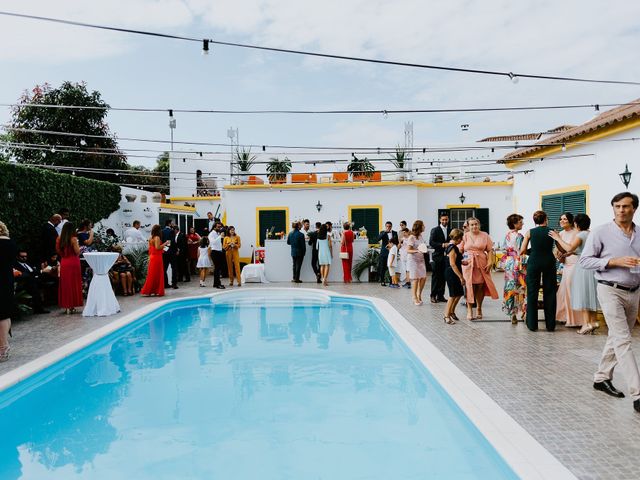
(525, 455)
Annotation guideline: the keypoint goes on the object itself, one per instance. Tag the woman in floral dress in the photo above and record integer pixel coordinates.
(515, 287)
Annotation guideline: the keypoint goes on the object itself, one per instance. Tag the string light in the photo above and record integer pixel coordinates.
(317, 54)
(514, 78)
(205, 47)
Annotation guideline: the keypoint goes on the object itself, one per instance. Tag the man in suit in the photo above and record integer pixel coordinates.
(438, 240)
(48, 238)
(313, 241)
(168, 257)
(385, 236)
(182, 256)
(64, 218)
(28, 280)
(296, 240)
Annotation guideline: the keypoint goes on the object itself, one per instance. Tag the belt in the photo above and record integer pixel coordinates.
(618, 286)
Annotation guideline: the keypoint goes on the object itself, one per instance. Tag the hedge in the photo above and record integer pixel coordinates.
(29, 196)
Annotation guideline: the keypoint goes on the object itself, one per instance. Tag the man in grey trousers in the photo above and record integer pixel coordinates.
(613, 250)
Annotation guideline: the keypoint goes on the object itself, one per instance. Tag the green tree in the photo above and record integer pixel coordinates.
(29, 122)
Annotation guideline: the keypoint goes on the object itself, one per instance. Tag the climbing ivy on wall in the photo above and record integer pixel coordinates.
(30, 195)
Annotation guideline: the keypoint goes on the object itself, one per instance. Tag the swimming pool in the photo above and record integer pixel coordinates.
(269, 384)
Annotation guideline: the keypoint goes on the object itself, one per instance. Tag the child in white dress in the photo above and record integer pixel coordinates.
(204, 259)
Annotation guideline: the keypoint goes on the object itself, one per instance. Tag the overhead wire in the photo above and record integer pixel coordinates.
(206, 42)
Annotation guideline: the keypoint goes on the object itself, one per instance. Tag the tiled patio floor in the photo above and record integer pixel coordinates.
(543, 380)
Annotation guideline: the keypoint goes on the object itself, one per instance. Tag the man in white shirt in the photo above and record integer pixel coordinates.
(306, 229)
(211, 222)
(64, 215)
(217, 255)
(133, 234)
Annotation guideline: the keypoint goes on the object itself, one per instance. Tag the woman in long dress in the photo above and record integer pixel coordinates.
(476, 268)
(564, 312)
(154, 283)
(325, 253)
(584, 300)
(346, 245)
(70, 284)
(8, 252)
(515, 286)
(415, 261)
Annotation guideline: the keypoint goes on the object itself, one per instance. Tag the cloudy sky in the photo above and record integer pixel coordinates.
(579, 38)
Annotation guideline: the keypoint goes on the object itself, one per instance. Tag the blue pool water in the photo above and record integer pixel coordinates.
(291, 390)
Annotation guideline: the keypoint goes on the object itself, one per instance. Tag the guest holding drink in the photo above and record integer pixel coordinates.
(231, 245)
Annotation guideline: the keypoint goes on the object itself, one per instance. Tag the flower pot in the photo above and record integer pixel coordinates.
(156, 198)
(130, 197)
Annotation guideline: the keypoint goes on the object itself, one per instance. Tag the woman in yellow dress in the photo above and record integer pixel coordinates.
(231, 245)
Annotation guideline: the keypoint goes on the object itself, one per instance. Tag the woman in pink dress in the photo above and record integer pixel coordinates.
(415, 261)
(346, 245)
(568, 234)
(476, 267)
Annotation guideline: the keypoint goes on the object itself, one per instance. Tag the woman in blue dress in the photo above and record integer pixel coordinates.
(325, 254)
(583, 282)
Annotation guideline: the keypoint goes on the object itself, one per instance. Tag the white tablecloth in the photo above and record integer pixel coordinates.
(252, 272)
(101, 301)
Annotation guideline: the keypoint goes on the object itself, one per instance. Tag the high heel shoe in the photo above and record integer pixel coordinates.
(470, 315)
(479, 315)
(448, 320)
(4, 353)
(590, 330)
(514, 320)
(454, 316)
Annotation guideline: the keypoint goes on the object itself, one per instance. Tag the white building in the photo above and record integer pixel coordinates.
(578, 169)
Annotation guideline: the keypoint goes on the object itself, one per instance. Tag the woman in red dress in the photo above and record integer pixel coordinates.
(346, 245)
(70, 285)
(193, 241)
(154, 284)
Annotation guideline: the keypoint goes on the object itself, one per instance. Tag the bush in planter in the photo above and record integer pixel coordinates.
(244, 161)
(278, 169)
(367, 260)
(139, 258)
(360, 168)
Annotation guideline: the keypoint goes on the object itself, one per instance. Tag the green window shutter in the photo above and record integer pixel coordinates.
(552, 206)
(482, 214)
(556, 205)
(369, 218)
(267, 219)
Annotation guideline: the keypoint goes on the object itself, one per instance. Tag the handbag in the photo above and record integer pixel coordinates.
(344, 255)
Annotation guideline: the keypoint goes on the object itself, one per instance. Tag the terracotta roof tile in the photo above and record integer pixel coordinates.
(615, 115)
(525, 136)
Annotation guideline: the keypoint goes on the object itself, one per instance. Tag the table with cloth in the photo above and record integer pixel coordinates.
(101, 301)
(253, 272)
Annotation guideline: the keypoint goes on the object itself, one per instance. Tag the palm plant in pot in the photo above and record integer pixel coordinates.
(399, 160)
(360, 169)
(244, 160)
(278, 169)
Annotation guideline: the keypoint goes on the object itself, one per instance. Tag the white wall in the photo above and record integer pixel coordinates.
(497, 198)
(147, 212)
(599, 171)
(399, 203)
(405, 202)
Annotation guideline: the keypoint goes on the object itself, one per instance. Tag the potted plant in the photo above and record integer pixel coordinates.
(360, 169)
(278, 169)
(399, 160)
(368, 261)
(244, 160)
(130, 197)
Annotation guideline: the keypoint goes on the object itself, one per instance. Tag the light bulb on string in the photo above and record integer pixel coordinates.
(205, 47)
(53, 149)
(564, 147)
(385, 114)
(514, 78)
(83, 142)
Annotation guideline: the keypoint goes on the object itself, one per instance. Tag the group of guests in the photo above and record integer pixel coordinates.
(405, 255)
(320, 240)
(184, 253)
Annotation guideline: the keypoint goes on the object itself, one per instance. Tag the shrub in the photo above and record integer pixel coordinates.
(30, 195)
